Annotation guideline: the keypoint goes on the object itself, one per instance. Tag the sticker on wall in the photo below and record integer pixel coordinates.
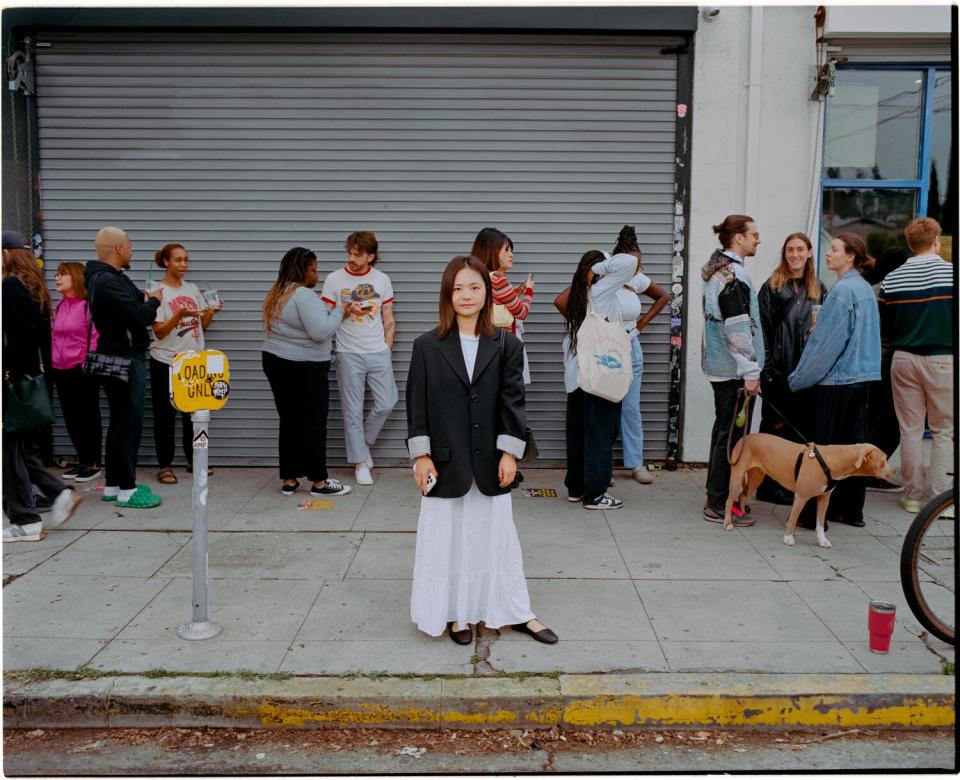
(681, 110)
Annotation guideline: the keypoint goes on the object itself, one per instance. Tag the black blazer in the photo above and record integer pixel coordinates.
(464, 423)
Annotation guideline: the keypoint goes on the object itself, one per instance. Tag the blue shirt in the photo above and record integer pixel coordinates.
(844, 347)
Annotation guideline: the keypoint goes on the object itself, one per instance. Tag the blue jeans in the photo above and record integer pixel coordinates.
(631, 422)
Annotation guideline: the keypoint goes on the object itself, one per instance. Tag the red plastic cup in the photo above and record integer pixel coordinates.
(880, 619)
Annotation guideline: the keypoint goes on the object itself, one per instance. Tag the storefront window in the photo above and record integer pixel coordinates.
(878, 216)
(873, 125)
(887, 156)
(942, 186)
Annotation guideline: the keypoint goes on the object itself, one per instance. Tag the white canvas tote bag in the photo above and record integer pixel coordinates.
(604, 359)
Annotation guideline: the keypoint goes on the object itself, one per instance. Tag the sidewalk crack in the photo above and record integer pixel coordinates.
(481, 655)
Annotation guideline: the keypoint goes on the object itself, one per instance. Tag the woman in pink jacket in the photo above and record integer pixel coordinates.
(79, 395)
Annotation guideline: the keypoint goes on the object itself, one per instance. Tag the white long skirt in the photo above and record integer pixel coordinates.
(469, 566)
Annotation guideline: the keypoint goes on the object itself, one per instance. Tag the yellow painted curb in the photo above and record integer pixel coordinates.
(651, 701)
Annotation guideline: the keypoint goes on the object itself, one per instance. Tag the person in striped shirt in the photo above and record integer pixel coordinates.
(511, 304)
(916, 318)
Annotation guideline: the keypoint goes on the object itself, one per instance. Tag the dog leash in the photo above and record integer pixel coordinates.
(813, 452)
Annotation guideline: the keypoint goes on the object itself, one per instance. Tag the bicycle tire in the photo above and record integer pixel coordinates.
(910, 567)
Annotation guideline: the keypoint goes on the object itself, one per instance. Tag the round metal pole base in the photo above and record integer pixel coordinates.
(206, 629)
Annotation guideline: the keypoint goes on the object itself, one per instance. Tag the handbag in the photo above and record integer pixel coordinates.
(530, 452)
(97, 364)
(26, 404)
(604, 360)
(502, 318)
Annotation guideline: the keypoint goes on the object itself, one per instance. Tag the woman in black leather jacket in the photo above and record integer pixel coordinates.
(786, 302)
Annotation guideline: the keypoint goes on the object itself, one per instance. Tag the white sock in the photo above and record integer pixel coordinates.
(111, 490)
(125, 495)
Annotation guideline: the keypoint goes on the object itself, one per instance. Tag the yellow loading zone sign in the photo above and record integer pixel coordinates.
(199, 381)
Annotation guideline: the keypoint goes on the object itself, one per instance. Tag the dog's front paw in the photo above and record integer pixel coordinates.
(822, 541)
(789, 540)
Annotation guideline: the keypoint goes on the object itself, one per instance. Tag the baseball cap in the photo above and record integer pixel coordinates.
(14, 240)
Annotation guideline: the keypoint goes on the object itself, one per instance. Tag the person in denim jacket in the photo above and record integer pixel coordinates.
(732, 352)
(840, 359)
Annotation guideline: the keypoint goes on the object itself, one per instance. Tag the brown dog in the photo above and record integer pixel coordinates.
(761, 454)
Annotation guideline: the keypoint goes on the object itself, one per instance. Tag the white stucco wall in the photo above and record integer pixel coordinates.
(784, 147)
(894, 21)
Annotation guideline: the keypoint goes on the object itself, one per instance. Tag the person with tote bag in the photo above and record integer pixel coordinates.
(597, 372)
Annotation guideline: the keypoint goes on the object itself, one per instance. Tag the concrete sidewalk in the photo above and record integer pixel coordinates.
(651, 589)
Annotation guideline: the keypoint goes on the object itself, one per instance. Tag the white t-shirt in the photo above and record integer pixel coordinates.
(470, 346)
(363, 334)
(188, 334)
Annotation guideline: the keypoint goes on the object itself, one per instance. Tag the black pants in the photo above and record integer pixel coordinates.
(165, 418)
(126, 400)
(591, 431)
(22, 469)
(80, 402)
(842, 419)
(718, 469)
(883, 428)
(301, 392)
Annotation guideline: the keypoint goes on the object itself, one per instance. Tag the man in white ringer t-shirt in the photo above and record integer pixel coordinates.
(364, 344)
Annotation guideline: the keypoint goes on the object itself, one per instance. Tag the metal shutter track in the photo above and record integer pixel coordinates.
(240, 146)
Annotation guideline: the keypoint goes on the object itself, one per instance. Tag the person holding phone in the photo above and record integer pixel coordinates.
(181, 320)
(466, 421)
(511, 304)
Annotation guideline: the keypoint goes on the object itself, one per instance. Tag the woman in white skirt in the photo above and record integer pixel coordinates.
(466, 421)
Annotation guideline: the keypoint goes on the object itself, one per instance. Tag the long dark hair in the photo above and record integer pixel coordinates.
(626, 241)
(292, 274)
(855, 246)
(487, 245)
(448, 316)
(577, 302)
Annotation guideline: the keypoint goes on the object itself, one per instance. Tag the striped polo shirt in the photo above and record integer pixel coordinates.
(916, 306)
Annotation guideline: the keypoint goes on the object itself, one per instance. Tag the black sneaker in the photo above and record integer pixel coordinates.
(882, 485)
(87, 474)
(41, 504)
(574, 499)
(332, 487)
(289, 490)
(71, 473)
(606, 501)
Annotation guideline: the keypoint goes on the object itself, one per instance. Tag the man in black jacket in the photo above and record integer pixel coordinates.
(121, 314)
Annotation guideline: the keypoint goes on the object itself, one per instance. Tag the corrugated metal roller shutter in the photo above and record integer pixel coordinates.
(241, 146)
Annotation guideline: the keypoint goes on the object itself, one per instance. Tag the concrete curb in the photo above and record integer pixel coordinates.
(648, 701)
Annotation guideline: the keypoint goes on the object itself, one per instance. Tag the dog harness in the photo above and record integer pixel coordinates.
(813, 452)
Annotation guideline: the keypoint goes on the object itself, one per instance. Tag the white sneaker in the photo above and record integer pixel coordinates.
(31, 532)
(641, 475)
(64, 506)
(363, 475)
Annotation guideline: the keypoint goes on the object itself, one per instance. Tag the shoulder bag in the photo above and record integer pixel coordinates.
(26, 403)
(604, 359)
(98, 364)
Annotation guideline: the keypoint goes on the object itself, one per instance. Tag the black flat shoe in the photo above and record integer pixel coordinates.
(855, 523)
(463, 637)
(544, 635)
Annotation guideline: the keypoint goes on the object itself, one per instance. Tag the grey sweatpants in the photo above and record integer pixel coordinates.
(354, 372)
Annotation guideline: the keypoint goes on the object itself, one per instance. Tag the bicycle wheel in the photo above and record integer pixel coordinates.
(928, 567)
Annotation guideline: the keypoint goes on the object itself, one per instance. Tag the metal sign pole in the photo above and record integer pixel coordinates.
(201, 627)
